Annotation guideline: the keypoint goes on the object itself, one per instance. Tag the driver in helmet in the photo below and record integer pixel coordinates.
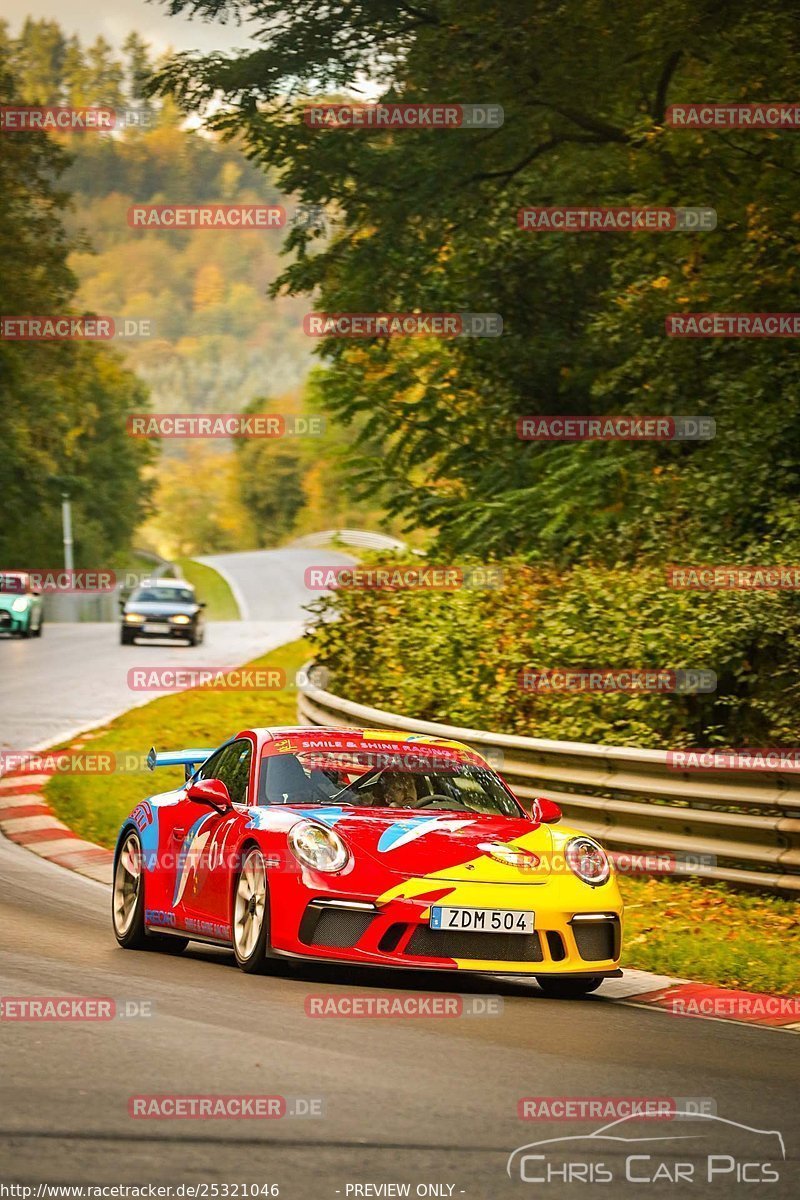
(399, 790)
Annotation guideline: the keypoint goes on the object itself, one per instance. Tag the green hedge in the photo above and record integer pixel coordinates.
(455, 656)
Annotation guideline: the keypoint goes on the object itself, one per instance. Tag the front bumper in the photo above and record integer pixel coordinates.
(175, 632)
(13, 622)
(584, 939)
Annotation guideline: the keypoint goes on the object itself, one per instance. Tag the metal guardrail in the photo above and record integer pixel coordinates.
(350, 537)
(628, 798)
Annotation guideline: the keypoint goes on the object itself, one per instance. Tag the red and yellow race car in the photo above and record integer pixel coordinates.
(378, 848)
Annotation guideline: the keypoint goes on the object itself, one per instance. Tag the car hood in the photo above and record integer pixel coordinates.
(442, 843)
(7, 599)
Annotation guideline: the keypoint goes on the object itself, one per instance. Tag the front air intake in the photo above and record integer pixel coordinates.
(597, 940)
(336, 928)
(491, 947)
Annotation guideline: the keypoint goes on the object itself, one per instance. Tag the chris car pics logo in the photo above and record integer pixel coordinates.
(700, 1149)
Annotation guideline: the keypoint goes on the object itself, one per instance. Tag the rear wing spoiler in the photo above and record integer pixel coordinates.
(190, 760)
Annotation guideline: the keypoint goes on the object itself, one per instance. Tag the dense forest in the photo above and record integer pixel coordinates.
(218, 342)
(425, 429)
(427, 221)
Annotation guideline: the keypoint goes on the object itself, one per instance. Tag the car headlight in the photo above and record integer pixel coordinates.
(134, 618)
(588, 860)
(317, 846)
(181, 620)
(20, 604)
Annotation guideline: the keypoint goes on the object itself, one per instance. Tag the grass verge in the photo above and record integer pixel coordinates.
(686, 928)
(211, 587)
(95, 805)
(713, 934)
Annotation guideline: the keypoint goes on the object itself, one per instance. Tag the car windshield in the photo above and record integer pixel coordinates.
(416, 781)
(162, 595)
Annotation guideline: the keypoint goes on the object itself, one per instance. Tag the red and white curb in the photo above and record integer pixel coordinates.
(27, 819)
(684, 998)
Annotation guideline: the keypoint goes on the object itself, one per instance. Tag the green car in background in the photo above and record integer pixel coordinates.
(21, 609)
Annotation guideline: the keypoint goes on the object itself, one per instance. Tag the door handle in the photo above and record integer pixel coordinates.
(178, 834)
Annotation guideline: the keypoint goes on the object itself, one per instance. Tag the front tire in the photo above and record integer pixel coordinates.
(251, 914)
(127, 903)
(39, 628)
(566, 987)
(126, 637)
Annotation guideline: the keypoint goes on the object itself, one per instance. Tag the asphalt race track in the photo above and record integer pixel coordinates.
(76, 675)
(417, 1100)
(423, 1101)
(286, 589)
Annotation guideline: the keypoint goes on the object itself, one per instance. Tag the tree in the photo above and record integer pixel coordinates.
(427, 221)
(138, 67)
(63, 405)
(76, 77)
(198, 508)
(39, 62)
(105, 74)
(270, 477)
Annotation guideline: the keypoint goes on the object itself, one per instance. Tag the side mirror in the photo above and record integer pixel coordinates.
(202, 604)
(121, 605)
(212, 792)
(546, 811)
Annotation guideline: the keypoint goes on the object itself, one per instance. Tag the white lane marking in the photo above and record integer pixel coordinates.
(21, 802)
(25, 824)
(15, 781)
(65, 845)
(634, 983)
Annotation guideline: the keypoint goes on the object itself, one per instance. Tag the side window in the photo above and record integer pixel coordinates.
(234, 769)
(209, 767)
(231, 764)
